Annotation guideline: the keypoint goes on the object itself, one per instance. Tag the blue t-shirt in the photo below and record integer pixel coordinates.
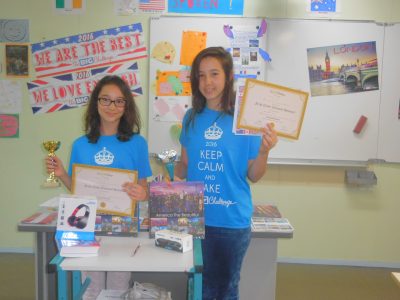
(220, 159)
(111, 152)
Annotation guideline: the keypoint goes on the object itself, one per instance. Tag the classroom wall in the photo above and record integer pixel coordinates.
(333, 223)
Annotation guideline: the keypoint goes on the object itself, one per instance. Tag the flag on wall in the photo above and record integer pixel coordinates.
(152, 5)
(323, 6)
(69, 4)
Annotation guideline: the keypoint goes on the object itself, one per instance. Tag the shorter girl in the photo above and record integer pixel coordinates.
(112, 125)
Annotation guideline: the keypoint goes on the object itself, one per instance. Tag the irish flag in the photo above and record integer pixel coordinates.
(69, 4)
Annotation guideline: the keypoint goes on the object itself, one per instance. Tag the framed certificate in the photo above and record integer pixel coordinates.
(106, 185)
(270, 103)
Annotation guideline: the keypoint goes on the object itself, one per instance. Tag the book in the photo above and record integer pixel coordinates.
(113, 225)
(262, 224)
(267, 218)
(178, 206)
(75, 227)
(41, 217)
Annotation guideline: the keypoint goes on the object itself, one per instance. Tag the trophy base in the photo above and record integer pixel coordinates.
(50, 184)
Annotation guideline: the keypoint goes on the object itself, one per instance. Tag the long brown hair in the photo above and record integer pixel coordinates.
(129, 123)
(228, 96)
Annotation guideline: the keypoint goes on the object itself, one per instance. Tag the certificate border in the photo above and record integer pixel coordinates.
(303, 95)
(99, 210)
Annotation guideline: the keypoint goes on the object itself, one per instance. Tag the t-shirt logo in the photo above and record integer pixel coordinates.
(104, 157)
(213, 132)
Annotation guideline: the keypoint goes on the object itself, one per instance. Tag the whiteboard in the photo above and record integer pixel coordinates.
(327, 132)
(170, 29)
(389, 125)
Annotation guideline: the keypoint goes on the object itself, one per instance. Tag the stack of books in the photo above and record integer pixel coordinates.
(267, 218)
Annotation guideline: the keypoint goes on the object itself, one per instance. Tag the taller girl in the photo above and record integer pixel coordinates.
(224, 161)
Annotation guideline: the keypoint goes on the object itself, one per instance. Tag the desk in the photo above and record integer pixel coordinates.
(115, 255)
(45, 249)
(258, 277)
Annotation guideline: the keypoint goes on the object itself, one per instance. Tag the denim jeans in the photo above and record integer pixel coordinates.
(223, 253)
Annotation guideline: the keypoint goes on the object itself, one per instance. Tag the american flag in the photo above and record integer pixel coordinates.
(152, 4)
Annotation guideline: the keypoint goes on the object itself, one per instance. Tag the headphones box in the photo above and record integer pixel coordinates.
(174, 240)
(75, 226)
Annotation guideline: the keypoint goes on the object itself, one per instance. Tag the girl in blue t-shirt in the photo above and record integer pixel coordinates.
(223, 161)
(112, 139)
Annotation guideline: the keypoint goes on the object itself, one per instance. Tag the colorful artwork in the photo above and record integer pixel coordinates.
(173, 83)
(89, 50)
(343, 69)
(177, 206)
(192, 43)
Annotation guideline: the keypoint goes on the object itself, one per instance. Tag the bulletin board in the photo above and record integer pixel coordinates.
(327, 135)
(169, 67)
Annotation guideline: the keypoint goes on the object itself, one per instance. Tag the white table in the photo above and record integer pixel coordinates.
(115, 254)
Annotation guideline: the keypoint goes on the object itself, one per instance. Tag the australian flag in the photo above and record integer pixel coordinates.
(323, 5)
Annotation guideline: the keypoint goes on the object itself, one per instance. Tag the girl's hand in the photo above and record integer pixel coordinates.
(269, 138)
(54, 164)
(135, 191)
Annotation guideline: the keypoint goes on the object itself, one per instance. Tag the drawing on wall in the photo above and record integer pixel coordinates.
(17, 60)
(343, 69)
(164, 52)
(10, 97)
(14, 31)
(323, 6)
(9, 125)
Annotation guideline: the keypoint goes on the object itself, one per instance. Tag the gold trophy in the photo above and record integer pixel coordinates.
(51, 147)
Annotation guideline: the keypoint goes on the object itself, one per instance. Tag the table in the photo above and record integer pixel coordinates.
(115, 254)
(45, 249)
(258, 277)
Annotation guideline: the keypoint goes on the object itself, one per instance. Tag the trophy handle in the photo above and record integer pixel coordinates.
(170, 168)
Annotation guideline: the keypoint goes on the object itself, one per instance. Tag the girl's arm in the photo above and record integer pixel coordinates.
(258, 166)
(181, 166)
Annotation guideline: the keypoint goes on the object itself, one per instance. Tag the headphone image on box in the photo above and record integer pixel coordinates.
(81, 221)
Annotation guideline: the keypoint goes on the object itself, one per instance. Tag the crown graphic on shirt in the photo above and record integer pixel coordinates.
(104, 157)
(213, 132)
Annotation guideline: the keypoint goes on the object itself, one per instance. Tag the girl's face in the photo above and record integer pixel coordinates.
(112, 113)
(211, 81)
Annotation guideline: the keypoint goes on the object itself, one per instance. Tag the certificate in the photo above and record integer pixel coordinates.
(106, 185)
(270, 103)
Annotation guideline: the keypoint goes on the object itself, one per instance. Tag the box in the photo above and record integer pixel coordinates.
(174, 240)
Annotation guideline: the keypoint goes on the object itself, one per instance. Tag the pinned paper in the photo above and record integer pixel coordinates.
(192, 43)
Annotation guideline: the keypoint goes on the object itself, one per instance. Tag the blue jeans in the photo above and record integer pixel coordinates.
(223, 253)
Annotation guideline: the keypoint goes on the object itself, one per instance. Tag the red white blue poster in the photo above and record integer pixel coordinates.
(88, 50)
(220, 7)
(72, 90)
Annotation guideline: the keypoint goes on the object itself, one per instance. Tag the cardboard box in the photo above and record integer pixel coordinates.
(174, 240)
